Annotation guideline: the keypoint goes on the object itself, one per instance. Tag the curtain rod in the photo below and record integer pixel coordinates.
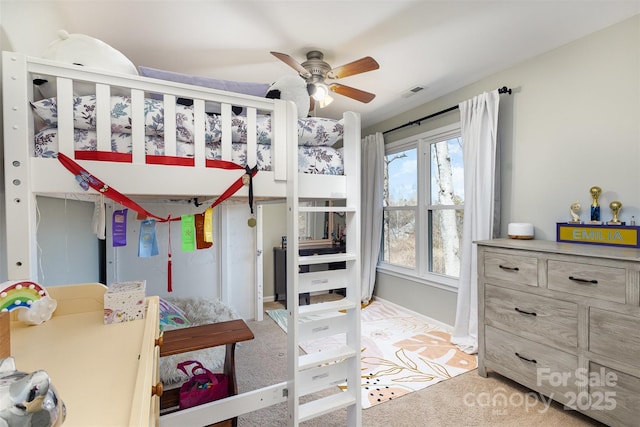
(501, 90)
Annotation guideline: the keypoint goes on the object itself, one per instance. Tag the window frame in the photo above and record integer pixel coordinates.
(421, 274)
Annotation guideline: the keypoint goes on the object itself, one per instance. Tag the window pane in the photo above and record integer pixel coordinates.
(447, 173)
(444, 245)
(400, 180)
(399, 245)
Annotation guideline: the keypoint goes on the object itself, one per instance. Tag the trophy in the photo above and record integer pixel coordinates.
(615, 209)
(595, 206)
(573, 210)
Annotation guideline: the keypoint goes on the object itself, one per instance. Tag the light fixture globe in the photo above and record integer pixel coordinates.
(320, 91)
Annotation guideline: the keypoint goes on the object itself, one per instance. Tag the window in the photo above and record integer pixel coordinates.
(423, 206)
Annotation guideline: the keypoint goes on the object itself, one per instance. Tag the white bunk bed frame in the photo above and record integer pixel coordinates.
(27, 176)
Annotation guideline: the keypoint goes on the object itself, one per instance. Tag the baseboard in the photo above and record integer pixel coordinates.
(429, 320)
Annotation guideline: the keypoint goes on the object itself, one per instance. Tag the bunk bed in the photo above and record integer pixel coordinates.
(59, 151)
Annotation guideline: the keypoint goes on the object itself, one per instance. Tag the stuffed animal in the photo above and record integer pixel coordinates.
(84, 51)
(28, 399)
(291, 88)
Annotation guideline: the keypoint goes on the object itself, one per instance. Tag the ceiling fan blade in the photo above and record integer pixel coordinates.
(292, 63)
(362, 65)
(357, 94)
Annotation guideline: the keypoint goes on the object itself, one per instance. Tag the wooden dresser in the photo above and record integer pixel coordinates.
(105, 374)
(563, 319)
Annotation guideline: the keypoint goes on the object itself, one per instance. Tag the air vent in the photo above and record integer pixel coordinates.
(412, 91)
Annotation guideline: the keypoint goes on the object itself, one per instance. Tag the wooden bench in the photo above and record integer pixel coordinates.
(197, 338)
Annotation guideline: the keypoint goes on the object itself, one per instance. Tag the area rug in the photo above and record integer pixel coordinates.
(401, 353)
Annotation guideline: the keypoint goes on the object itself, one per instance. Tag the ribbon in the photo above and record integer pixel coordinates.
(169, 263)
(201, 242)
(147, 243)
(119, 228)
(208, 226)
(86, 180)
(251, 172)
(188, 224)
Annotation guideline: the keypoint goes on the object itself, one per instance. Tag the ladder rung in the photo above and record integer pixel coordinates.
(326, 307)
(321, 357)
(325, 259)
(326, 280)
(321, 326)
(320, 378)
(325, 405)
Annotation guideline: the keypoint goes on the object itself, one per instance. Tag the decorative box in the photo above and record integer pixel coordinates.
(625, 236)
(124, 302)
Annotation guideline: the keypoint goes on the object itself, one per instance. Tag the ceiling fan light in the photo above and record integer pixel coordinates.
(325, 102)
(321, 91)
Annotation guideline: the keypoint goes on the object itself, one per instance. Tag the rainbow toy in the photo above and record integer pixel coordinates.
(20, 294)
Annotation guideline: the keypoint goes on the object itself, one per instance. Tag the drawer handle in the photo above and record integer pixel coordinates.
(160, 340)
(157, 390)
(526, 359)
(504, 267)
(528, 313)
(577, 279)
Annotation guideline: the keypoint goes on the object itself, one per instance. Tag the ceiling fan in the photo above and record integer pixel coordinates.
(316, 71)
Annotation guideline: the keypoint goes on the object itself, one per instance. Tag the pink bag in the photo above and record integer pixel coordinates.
(201, 387)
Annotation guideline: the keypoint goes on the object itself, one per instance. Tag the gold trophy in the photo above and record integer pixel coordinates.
(595, 206)
(615, 209)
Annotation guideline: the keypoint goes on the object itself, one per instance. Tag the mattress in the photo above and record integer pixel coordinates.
(311, 159)
(312, 131)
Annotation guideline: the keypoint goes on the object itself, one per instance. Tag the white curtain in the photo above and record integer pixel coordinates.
(372, 148)
(479, 123)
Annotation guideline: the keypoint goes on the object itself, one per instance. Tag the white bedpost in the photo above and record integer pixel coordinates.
(259, 307)
(20, 202)
(280, 139)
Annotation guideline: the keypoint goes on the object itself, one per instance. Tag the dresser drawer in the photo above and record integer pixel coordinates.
(590, 280)
(521, 270)
(614, 396)
(532, 316)
(532, 364)
(614, 335)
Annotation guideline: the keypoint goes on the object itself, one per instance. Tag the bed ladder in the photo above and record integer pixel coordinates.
(328, 380)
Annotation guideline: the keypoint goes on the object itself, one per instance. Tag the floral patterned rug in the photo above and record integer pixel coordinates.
(401, 353)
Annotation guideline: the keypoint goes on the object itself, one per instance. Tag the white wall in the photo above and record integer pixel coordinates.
(194, 273)
(572, 122)
(68, 251)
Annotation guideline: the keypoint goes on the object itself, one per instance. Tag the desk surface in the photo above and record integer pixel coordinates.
(94, 367)
(177, 341)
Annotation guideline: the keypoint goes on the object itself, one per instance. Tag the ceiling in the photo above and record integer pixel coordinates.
(439, 45)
